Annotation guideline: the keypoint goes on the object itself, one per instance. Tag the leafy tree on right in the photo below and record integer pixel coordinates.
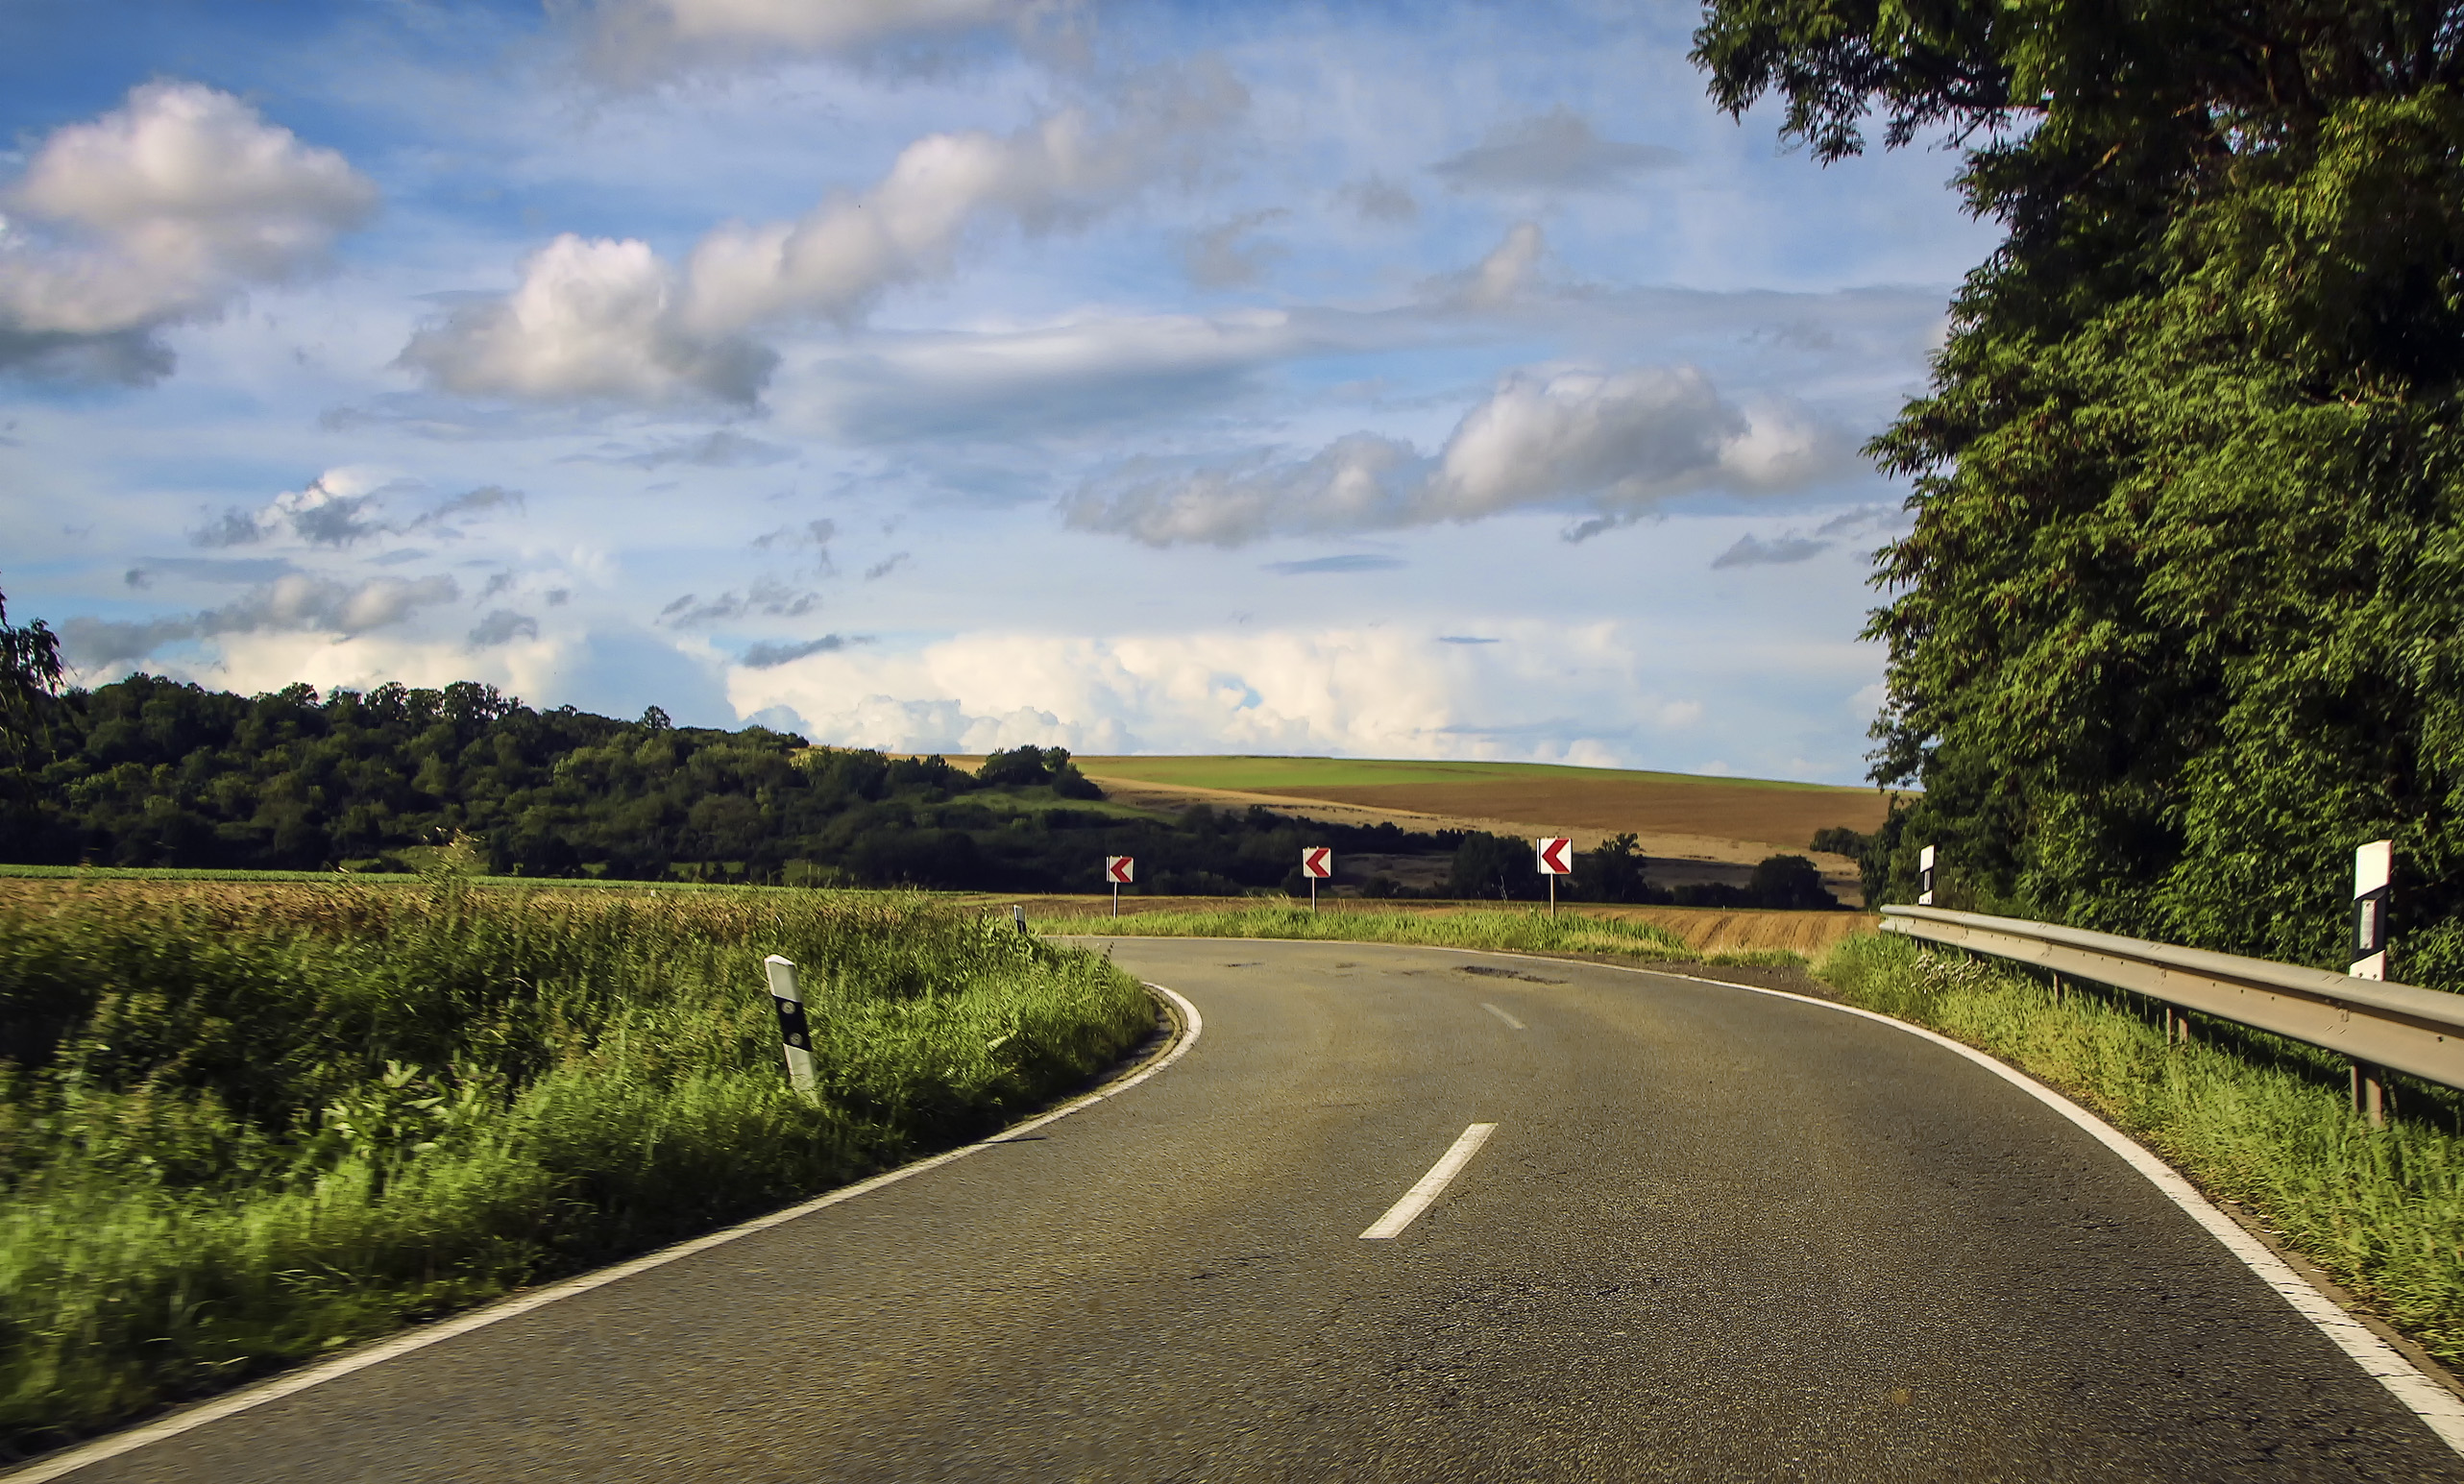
(2181, 621)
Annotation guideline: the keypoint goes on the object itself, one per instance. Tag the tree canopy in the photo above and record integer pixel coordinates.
(2181, 621)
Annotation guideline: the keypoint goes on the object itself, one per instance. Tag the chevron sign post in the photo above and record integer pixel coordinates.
(1556, 859)
(1119, 871)
(1317, 863)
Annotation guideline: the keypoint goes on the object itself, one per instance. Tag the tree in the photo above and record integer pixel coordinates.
(1496, 865)
(2182, 617)
(1617, 872)
(30, 676)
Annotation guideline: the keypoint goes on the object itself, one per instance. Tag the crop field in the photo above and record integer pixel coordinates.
(1586, 802)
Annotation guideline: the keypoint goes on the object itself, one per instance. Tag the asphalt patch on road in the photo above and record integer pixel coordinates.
(1486, 972)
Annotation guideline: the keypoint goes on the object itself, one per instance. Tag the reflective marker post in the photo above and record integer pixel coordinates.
(1925, 877)
(2374, 871)
(1018, 914)
(794, 1036)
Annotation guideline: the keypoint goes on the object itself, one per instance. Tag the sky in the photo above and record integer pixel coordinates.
(1379, 381)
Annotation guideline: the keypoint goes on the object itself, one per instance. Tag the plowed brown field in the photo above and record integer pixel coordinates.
(1647, 806)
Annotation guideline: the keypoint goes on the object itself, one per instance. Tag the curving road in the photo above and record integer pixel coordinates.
(1712, 1235)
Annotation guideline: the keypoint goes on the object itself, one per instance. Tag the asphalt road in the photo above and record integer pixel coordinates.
(1713, 1235)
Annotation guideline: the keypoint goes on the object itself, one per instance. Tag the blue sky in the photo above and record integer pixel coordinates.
(1411, 382)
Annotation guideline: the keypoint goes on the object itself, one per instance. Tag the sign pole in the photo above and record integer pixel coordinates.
(1552, 896)
(1117, 898)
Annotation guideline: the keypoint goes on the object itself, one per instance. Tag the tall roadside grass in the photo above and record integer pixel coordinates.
(239, 1130)
(2252, 1117)
(1529, 931)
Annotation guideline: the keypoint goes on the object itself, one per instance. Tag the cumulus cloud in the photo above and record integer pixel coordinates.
(1220, 256)
(769, 656)
(1375, 199)
(1349, 562)
(340, 508)
(1501, 275)
(600, 318)
(721, 449)
(159, 211)
(298, 602)
(1557, 151)
(768, 597)
(1385, 691)
(630, 42)
(1615, 441)
(503, 626)
(1798, 546)
(1779, 551)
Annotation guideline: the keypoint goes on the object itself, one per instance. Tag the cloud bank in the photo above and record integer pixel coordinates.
(160, 211)
(298, 602)
(1615, 442)
(604, 318)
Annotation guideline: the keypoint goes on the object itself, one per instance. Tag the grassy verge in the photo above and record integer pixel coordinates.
(2252, 1117)
(1526, 931)
(240, 1129)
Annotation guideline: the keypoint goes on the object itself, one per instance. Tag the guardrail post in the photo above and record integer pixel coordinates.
(795, 1038)
(2370, 1092)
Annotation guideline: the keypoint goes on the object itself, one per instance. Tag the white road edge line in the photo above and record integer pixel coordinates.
(2440, 1410)
(300, 1380)
(1511, 1022)
(1432, 1184)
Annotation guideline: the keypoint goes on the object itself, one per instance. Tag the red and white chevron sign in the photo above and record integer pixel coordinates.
(1556, 856)
(1317, 861)
(1117, 869)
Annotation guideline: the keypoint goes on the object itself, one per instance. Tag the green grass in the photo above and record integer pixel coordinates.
(1512, 930)
(1263, 772)
(240, 1129)
(2252, 1117)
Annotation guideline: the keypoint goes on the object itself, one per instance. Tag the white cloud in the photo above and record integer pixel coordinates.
(159, 211)
(1612, 442)
(1376, 691)
(604, 318)
(1219, 256)
(1556, 151)
(298, 602)
(633, 41)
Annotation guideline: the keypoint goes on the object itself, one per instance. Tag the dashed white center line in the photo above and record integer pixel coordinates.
(1511, 1023)
(1432, 1184)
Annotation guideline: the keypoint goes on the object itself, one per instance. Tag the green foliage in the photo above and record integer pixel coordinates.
(30, 673)
(2249, 1116)
(240, 1127)
(145, 773)
(2181, 618)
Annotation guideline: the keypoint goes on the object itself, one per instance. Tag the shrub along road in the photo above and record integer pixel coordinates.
(1713, 1234)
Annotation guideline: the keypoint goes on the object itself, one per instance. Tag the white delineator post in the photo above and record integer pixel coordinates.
(795, 1038)
(1555, 861)
(2373, 868)
(1925, 877)
(1018, 916)
(2374, 872)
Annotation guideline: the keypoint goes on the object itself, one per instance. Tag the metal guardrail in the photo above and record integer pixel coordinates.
(2377, 1025)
